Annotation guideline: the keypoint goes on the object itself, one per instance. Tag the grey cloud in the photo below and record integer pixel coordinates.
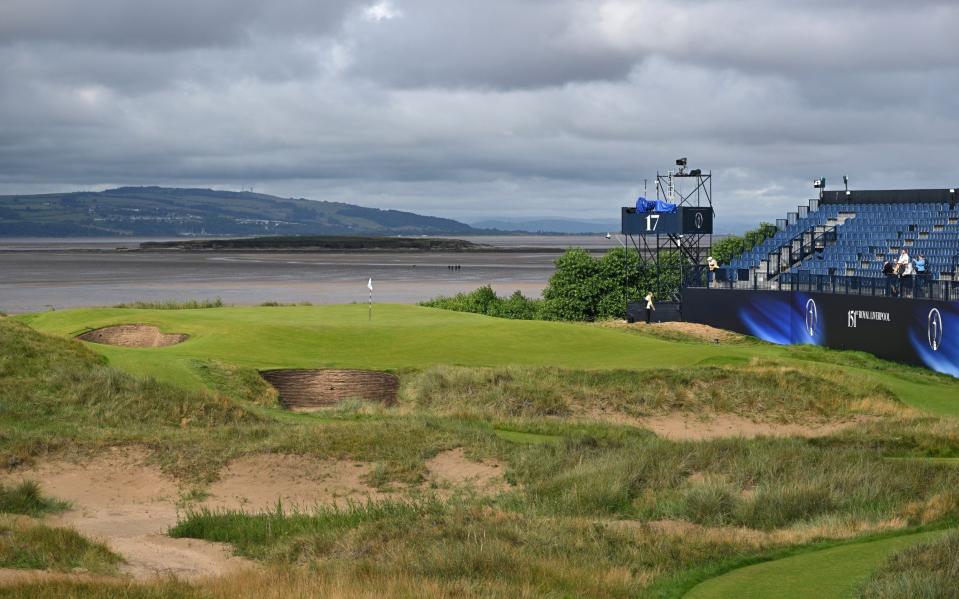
(495, 43)
(164, 25)
(471, 109)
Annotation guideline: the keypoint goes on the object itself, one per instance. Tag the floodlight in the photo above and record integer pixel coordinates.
(681, 162)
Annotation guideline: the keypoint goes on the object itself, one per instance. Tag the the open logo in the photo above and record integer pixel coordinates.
(812, 318)
(934, 329)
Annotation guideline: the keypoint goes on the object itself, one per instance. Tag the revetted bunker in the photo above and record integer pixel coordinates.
(133, 335)
(309, 389)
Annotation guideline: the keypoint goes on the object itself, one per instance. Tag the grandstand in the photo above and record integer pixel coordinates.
(850, 234)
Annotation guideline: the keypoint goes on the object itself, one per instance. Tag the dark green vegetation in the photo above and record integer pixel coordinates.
(485, 301)
(583, 287)
(174, 212)
(926, 571)
(315, 242)
(596, 504)
(731, 246)
(174, 304)
(25, 498)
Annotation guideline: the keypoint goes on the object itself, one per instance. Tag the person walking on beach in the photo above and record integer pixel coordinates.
(649, 307)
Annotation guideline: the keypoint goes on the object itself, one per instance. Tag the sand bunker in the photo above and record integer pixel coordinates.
(258, 482)
(453, 469)
(133, 335)
(118, 499)
(683, 426)
(305, 390)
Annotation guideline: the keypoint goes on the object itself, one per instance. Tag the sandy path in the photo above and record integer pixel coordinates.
(118, 499)
(681, 426)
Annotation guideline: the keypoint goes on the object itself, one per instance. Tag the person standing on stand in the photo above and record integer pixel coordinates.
(920, 265)
(649, 307)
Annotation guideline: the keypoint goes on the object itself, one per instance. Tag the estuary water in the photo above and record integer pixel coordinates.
(45, 274)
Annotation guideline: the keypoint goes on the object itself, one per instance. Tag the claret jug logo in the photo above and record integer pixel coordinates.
(934, 329)
(812, 318)
(698, 220)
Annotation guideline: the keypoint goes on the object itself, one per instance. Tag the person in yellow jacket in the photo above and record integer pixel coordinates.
(649, 307)
(713, 266)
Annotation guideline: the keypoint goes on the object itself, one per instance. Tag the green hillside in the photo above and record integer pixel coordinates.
(159, 211)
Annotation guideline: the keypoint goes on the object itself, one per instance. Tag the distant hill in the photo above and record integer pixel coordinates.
(160, 211)
(548, 225)
(317, 243)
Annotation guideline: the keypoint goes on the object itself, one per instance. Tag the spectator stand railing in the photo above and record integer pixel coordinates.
(917, 286)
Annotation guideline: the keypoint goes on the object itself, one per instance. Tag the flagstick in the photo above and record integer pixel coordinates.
(371, 306)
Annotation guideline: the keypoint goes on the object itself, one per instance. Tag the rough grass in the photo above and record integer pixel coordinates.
(26, 499)
(769, 390)
(27, 544)
(577, 519)
(926, 571)
(478, 549)
(172, 304)
(244, 384)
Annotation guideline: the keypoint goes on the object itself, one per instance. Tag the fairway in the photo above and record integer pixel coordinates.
(403, 337)
(827, 574)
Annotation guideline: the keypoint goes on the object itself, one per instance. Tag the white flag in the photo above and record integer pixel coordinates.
(370, 285)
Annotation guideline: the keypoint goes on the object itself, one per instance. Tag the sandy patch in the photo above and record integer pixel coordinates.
(693, 330)
(256, 483)
(304, 390)
(699, 331)
(453, 469)
(684, 426)
(118, 499)
(133, 335)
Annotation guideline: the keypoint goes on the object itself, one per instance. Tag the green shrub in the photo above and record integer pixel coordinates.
(172, 304)
(485, 301)
(26, 499)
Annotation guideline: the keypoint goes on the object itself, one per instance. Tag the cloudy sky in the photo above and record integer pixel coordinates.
(480, 108)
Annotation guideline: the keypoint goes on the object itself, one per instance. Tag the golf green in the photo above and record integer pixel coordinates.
(401, 337)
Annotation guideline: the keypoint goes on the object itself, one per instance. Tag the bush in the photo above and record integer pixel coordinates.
(588, 288)
(485, 301)
(172, 304)
(731, 246)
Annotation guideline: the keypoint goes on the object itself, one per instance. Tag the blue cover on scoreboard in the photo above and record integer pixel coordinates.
(644, 205)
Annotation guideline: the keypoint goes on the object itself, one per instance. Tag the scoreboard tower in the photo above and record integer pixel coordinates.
(667, 241)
